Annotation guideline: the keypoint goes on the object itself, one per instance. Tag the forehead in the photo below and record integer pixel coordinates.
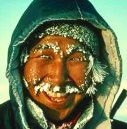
(63, 42)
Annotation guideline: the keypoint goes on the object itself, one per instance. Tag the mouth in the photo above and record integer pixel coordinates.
(56, 96)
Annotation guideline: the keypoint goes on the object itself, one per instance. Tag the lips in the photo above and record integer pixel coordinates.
(56, 97)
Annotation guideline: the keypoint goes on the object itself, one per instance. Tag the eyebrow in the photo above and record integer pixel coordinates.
(73, 48)
(53, 46)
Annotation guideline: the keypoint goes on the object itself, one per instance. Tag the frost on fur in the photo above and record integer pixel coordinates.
(99, 72)
(91, 90)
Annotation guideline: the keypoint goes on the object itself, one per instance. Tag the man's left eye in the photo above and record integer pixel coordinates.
(76, 59)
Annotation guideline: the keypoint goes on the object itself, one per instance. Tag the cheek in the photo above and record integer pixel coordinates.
(77, 72)
(78, 98)
(34, 70)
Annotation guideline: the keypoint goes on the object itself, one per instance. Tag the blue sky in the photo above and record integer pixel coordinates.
(114, 12)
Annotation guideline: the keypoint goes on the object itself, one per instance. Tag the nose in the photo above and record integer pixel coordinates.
(59, 72)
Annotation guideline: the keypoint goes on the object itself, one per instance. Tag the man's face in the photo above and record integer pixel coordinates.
(54, 67)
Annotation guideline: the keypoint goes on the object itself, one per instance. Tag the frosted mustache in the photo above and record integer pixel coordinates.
(67, 88)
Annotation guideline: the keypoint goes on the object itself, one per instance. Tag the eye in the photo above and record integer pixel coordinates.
(46, 57)
(76, 59)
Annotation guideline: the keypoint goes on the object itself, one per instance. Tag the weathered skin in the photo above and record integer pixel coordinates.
(57, 71)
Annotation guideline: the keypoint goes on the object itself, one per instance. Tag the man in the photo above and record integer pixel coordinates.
(64, 68)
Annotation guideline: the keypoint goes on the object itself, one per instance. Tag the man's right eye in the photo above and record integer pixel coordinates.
(46, 57)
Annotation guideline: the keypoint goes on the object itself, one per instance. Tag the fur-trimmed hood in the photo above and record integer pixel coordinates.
(41, 12)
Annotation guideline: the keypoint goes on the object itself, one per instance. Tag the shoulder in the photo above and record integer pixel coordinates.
(4, 108)
(6, 117)
(4, 105)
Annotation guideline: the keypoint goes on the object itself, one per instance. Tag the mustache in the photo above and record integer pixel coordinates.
(66, 88)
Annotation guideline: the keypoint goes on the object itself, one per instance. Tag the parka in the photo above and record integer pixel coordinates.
(13, 114)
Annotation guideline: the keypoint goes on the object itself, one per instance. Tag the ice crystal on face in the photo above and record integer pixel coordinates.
(55, 47)
(25, 82)
(91, 90)
(70, 48)
(56, 89)
(82, 87)
(42, 87)
(52, 46)
(26, 58)
(34, 81)
(71, 89)
(46, 86)
(37, 88)
(61, 54)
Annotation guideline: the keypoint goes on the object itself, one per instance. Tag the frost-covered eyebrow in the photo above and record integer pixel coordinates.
(53, 46)
(76, 48)
(56, 48)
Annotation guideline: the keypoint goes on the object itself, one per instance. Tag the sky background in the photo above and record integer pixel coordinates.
(113, 11)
